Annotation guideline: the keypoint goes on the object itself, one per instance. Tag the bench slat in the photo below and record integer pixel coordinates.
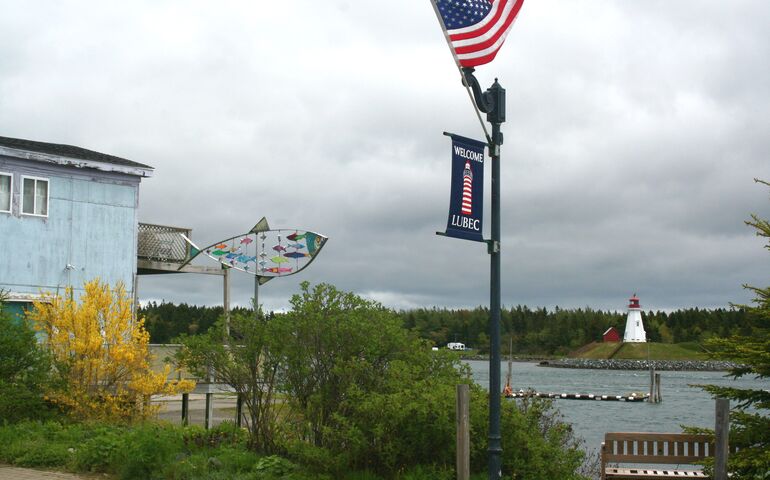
(650, 447)
(663, 437)
(673, 460)
(644, 473)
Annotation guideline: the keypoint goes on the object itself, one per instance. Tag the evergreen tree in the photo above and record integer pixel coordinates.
(750, 423)
(23, 370)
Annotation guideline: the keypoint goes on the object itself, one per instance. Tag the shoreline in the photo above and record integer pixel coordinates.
(618, 364)
(533, 359)
(663, 365)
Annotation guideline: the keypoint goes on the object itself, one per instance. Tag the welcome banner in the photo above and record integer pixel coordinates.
(466, 201)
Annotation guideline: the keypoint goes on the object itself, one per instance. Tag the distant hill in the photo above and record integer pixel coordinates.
(643, 351)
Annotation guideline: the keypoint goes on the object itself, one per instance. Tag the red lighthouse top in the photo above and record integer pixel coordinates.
(633, 302)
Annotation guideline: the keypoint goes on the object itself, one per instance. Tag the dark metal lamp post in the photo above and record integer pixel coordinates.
(492, 102)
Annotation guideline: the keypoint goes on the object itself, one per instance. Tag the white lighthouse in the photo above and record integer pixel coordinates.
(634, 326)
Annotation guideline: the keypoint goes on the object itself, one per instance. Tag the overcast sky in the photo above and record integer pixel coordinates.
(634, 132)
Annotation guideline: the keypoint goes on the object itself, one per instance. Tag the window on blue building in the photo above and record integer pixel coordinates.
(34, 196)
(6, 182)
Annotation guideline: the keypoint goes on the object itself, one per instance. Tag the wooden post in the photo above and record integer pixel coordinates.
(721, 444)
(238, 410)
(185, 409)
(652, 384)
(209, 399)
(463, 432)
(658, 395)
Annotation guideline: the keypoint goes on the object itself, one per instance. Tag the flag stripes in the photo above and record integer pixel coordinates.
(476, 29)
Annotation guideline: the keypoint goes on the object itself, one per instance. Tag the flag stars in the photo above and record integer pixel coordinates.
(463, 13)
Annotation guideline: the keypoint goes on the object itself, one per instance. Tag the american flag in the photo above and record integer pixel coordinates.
(476, 29)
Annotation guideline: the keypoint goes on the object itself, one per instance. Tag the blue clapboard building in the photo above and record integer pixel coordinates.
(67, 215)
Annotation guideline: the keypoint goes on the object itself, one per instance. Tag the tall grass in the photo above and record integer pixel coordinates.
(158, 451)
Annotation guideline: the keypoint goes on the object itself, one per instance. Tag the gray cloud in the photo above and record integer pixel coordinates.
(633, 135)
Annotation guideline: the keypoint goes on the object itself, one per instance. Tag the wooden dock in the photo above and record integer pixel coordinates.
(580, 396)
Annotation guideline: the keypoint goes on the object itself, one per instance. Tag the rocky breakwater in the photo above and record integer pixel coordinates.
(613, 364)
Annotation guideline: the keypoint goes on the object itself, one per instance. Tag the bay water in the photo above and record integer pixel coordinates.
(590, 419)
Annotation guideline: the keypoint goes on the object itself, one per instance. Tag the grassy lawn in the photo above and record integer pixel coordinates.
(601, 350)
(642, 351)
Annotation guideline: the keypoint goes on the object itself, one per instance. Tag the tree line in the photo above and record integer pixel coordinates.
(558, 331)
(538, 331)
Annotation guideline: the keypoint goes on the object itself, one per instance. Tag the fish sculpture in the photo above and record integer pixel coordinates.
(279, 270)
(254, 251)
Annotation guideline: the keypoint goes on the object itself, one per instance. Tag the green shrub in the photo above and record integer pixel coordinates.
(99, 453)
(364, 475)
(39, 444)
(195, 466)
(274, 466)
(52, 455)
(237, 459)
(24, 371)
(317, 459)
(226, 433)
(537, 444)
(149, 448)
(428, 472)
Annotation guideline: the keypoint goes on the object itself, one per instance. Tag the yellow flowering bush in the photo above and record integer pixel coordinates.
(101, 354)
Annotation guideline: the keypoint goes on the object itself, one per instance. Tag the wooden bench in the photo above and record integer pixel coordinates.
(654, 448)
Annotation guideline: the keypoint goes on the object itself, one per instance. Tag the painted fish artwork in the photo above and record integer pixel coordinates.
(279, 270)
(263, 252)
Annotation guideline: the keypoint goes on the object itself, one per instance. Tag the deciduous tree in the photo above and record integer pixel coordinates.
(100, 352)
(242, 355)
(330, 341)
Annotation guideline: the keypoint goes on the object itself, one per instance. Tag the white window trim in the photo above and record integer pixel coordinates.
(10, 193)
(47, 197)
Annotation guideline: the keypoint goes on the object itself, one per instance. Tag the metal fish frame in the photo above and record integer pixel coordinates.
(266, 254)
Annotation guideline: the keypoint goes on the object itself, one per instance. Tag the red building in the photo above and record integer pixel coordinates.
(611, 335)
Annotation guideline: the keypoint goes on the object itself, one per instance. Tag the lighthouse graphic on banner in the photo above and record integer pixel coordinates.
(467, 205)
